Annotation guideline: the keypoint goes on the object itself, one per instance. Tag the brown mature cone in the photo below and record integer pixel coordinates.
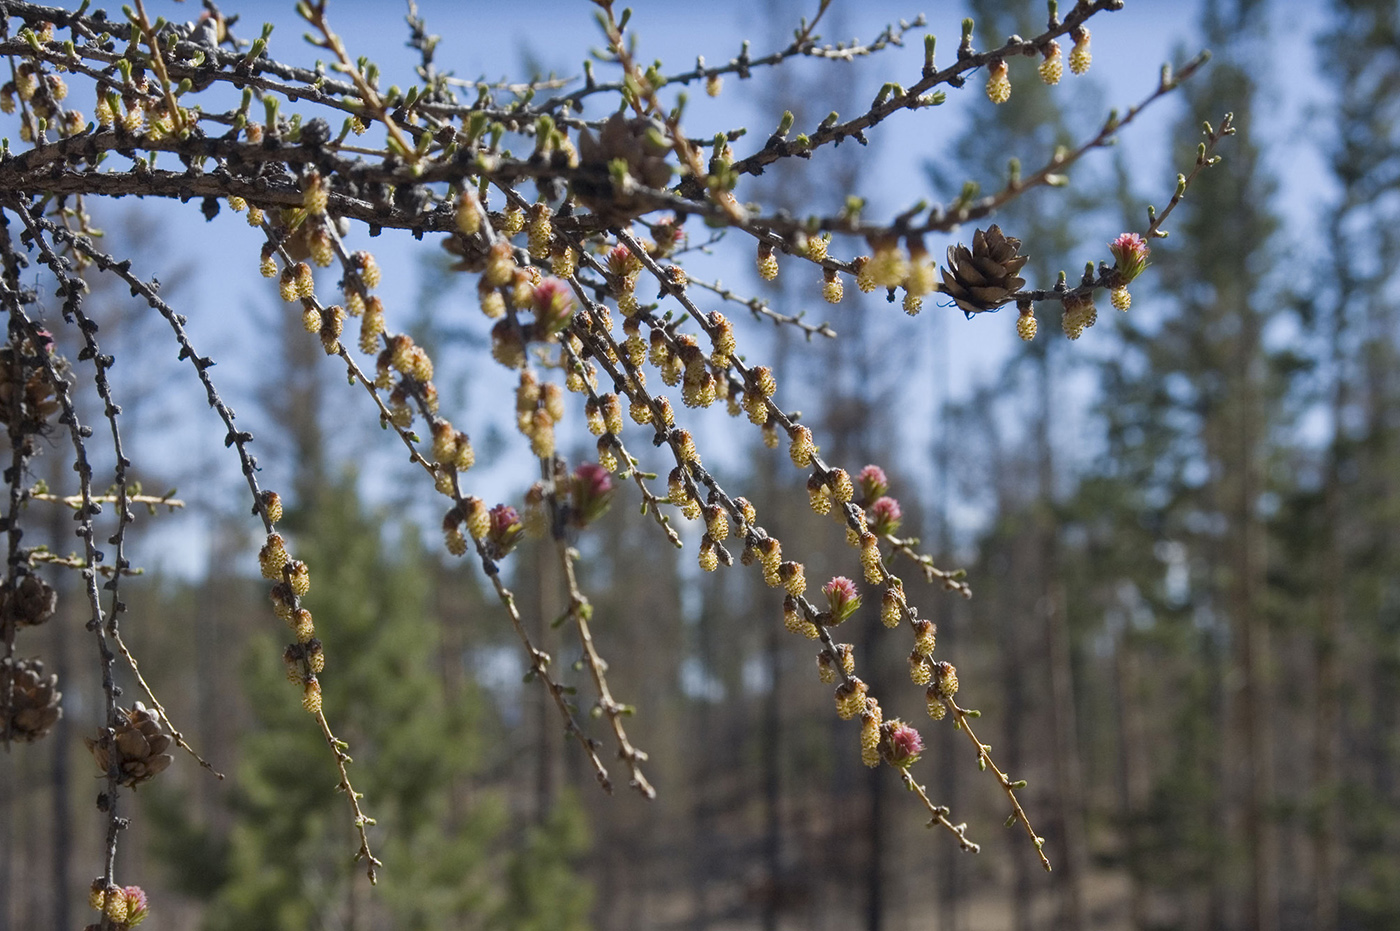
(984, 277)
(30, 602)
(33, 705)
(141, 743)
(25, 388)
(639, 143)
(471, 252)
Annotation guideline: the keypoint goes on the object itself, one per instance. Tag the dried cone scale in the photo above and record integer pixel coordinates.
(25, 386)
(641, 145)
(30, 602)
(984, 277)
(34, 705)
(141, 745)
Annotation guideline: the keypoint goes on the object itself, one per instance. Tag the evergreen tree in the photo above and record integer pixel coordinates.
(1192, 409)
(1029, 610)
(1344, 522)
(283, 858)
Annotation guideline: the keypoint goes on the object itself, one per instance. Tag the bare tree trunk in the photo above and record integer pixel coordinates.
(702, 851)
(876, 890)
(546, 751)
(1328, 710)
(1327, 742)
(1068, 779)
(772, 784)
(950, 873)
(1051, 606)
(1013, 692)
(1220, 811)
(1132, 774)
(1261, 832)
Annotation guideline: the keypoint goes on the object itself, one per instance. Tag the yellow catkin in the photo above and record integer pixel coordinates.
(794, 578)
(540, 232)
(936, 709)
(273, 557)
(850, 699)
(891, 607)
(272, 506)
(919, 671)
(792, 618)
(870, 558)
(1026, 326)
(832, 289)
(841, 487)
(865, 277)
(311, 696)
(1080, 57)
(1052, 67)
(767, 262)
(802, 448)
(924, 637)
(369, 268)
(945, 680)
(468, 216)
(305, 281)
(709, 556)
(998, 83)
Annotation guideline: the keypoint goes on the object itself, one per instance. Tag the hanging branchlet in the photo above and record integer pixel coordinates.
(556, 240)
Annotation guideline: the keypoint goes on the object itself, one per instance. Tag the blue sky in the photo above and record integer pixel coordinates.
(490, 40)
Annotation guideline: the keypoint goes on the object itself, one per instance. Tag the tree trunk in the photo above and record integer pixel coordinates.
(772, 783)
(1068, 778)
(1013, 692)
(1328, 710)
(546, 715)
(1132, 775)
(1328, 716)
(1051, 606)
(876, 891)
(1261, 833)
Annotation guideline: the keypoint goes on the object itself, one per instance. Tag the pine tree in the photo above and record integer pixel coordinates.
(282, 860)
(1024, 128)
(1344, 525)
(1191, 407)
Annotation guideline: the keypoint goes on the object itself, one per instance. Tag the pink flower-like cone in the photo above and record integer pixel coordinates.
(1130, 254)
(872, 483)
(885, 516)
(554, 304)
(137, 908)
(841, 597)
(592, 492)
(902, 744)
(505, 529)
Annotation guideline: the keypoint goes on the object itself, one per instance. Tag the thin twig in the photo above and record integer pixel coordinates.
(580, 611)
(160, 709)
(984, 759)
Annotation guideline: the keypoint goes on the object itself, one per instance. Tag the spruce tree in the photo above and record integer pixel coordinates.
(1344, 524)
(1191, 407)
(1026, 606)
(284, 861)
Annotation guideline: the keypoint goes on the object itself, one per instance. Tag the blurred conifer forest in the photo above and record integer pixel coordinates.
(1162, 556)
